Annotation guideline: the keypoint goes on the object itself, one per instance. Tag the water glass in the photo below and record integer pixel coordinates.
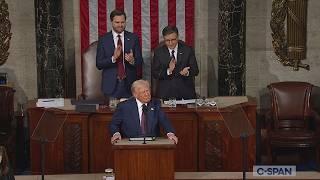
(172, 102)
(200, 102)
(113, 102)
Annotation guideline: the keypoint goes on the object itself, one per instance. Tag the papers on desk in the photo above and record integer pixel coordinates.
(183, 101)
(50, 102)
(226, 101)
(219, 101)
(197, 102)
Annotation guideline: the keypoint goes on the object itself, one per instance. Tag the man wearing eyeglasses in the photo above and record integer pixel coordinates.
(175, 67)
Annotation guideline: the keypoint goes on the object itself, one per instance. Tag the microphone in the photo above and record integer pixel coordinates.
(144, 108)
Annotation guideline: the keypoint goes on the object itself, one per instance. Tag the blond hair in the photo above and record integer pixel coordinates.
(138, 83)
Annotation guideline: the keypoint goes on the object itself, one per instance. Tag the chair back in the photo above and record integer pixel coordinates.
(91, 76)
(290, 104)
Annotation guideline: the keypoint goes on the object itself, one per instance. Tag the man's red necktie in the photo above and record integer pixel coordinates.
(143, 124)
(120, 64)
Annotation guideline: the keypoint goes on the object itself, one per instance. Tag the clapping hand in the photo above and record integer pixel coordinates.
(117, 52)
(129, 57)
(172, 65)
(185, 71)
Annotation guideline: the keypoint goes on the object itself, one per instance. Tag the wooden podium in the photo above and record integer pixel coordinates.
(134, 160)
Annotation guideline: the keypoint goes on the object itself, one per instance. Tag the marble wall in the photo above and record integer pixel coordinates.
(21, 64)
(261, 62)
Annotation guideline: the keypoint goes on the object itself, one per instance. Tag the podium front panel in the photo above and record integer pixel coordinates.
(153, 160)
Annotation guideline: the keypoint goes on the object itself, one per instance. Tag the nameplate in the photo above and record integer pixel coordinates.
(87, 107)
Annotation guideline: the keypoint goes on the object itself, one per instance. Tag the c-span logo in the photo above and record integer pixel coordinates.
(274, 170)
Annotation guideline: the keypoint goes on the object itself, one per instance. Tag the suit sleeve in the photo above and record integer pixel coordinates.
(104, 55)
(159, 71)
(163, 119)
(137, 52)
(191, 62)
(165, 122)
(115, 125)
(193, 71)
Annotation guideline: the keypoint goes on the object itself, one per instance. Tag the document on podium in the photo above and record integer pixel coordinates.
(142, 138)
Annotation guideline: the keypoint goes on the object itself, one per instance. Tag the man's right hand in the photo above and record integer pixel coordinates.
(172, 65)
(117, 52)
(116, 137)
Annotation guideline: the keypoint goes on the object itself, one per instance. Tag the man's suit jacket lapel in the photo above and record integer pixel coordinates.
(180, 55)
(151, 117)
(167, 55)
(127, 42)
(109, 40)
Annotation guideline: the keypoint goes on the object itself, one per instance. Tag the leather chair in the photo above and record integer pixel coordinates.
(91, 76)
(292, 124)
(6, 118)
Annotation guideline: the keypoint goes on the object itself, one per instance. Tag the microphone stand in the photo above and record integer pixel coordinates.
(42, 157)
(145, 110)
(244, 138)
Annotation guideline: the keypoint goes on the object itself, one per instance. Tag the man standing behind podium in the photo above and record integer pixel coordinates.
(118, 55)
(175, 67)
(140, 116)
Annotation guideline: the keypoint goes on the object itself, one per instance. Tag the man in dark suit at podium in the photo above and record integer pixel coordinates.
(140, 116)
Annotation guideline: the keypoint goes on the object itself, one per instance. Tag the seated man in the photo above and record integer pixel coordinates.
(175, 67)
(140, 116)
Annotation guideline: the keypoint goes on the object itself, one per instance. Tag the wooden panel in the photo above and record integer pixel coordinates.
(101, 154)
(75, 132)
(211, 133)
(185, 124)
(218, 151)
(59, 152)
(147, 161)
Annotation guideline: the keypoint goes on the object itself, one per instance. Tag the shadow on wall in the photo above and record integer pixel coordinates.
(212, 79)
(70, 70)
(263, 107)
(20, 97)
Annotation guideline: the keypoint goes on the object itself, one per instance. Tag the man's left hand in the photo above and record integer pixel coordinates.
(129, 57)
(185, 71)
(173, 137)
